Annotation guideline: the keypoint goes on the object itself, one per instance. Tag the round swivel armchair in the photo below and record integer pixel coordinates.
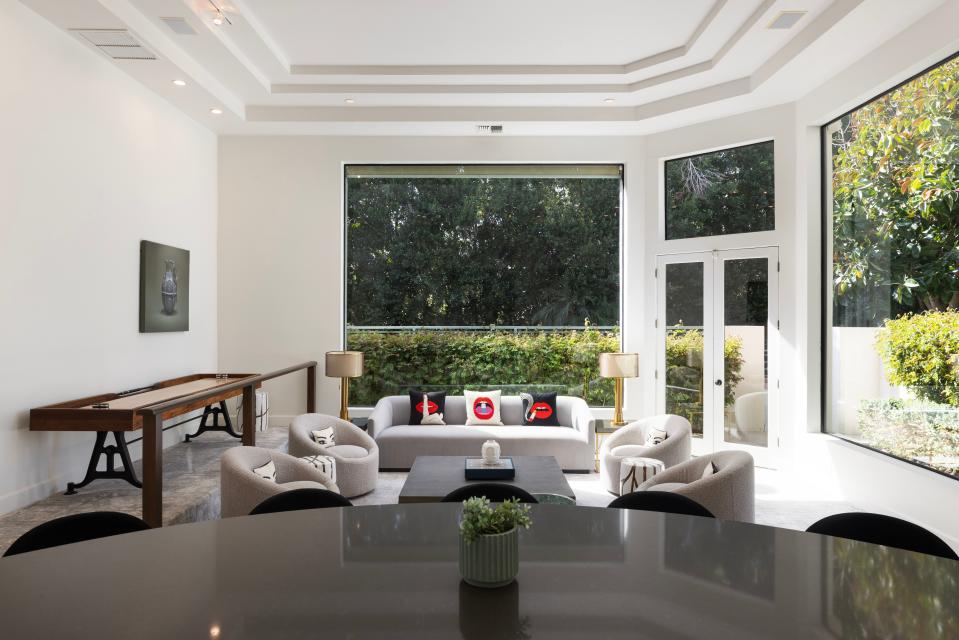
(355, 453)
(630, 442)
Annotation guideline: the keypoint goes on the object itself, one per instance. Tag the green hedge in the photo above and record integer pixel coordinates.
(563, 361)
(917, 349)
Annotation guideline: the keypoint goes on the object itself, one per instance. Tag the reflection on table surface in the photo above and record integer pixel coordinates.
(391, 571)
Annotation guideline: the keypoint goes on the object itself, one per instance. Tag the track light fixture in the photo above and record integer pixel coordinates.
(220, 18)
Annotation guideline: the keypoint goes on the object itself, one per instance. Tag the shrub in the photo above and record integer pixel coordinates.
(917, 351)
(913, 429)
(562, 361)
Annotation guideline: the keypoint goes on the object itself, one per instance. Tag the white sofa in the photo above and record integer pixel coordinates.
(400, 442)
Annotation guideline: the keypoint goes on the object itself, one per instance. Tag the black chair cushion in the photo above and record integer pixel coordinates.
(298, 499)
(884, 530)
(76, 528)
(492, 491)
(662, 501)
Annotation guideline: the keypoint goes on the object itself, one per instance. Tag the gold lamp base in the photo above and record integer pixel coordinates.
(618, 403)
(345, 399)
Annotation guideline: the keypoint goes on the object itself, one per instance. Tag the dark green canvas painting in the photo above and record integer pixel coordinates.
(164, 288)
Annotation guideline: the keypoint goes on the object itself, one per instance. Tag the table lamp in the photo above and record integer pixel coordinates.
(618, 366)
(344, 365)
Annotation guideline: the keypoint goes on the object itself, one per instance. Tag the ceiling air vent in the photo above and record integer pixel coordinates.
(489, 128)
(116, 43)
(179, 25)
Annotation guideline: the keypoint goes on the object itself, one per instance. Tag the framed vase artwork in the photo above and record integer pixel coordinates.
(164, 288)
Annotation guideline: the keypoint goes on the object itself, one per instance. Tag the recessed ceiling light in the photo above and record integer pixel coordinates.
(349, 100)
(218, 20)
(180, 83)
(786, 19)
(609, 100)
(216, 111)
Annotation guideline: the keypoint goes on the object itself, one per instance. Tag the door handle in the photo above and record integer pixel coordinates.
(719, 383)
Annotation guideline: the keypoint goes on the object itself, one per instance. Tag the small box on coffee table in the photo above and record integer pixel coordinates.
(478, 469)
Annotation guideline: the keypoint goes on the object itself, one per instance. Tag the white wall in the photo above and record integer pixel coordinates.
(866, 478)
(90, 164)
(281, 247)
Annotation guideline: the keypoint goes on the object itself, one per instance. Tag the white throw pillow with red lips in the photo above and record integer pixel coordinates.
(482, 408)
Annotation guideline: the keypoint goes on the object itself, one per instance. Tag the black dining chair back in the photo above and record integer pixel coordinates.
(76, 528)
(662, 501)
(885, 530)
(298, 499)
(492, 491)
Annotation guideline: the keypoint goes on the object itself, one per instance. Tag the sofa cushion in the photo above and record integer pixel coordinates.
(540, 409)
(482, 408)
(629, 451)
(348, 451)
(435, 406)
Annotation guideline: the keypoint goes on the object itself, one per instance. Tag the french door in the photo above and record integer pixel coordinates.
(718, 342)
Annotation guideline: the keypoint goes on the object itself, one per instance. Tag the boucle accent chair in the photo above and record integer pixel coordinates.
(571, 443)
(729, 493)
(241, 489)
(356, 454)
(629, 442)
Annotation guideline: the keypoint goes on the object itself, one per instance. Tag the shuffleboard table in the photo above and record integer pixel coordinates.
(118, 413)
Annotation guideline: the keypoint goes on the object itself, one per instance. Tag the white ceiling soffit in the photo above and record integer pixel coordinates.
(432, 66)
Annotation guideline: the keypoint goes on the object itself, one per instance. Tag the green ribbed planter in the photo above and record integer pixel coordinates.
(490, 561)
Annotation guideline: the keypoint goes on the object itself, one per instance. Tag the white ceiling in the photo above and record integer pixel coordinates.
(440, 66)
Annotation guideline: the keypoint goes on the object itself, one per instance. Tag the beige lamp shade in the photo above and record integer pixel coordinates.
(344, 364)
(618, 365)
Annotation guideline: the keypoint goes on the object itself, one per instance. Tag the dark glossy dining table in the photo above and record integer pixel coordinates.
(392, 572)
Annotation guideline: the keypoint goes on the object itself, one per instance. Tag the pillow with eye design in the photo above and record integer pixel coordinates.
(325, 437)
(267, 471)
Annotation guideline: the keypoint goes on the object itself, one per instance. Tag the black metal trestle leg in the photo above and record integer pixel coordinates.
(215, 412)
(100, 448)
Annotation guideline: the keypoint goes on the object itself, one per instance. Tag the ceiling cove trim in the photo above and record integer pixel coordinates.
(617, 88)
(499, 70)
(161, 44)
(647, 111)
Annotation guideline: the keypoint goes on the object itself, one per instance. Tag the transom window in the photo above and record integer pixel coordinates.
(721, 192)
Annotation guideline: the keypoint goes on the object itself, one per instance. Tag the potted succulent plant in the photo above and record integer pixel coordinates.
(489, 541)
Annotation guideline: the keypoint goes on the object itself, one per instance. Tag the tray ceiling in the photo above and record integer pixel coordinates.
(434, 66)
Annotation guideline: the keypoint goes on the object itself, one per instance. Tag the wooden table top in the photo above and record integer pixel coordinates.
(154, 396)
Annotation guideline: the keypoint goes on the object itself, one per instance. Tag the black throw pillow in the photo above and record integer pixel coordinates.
(436, 404)
(539, 409)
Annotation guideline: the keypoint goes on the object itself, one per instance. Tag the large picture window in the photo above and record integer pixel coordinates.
(892, 272)
(503, 276)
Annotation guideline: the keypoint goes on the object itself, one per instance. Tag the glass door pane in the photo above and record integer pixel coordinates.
(745, 351)
(684, 288)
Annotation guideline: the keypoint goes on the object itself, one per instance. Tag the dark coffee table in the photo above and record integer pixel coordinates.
(432, 477)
